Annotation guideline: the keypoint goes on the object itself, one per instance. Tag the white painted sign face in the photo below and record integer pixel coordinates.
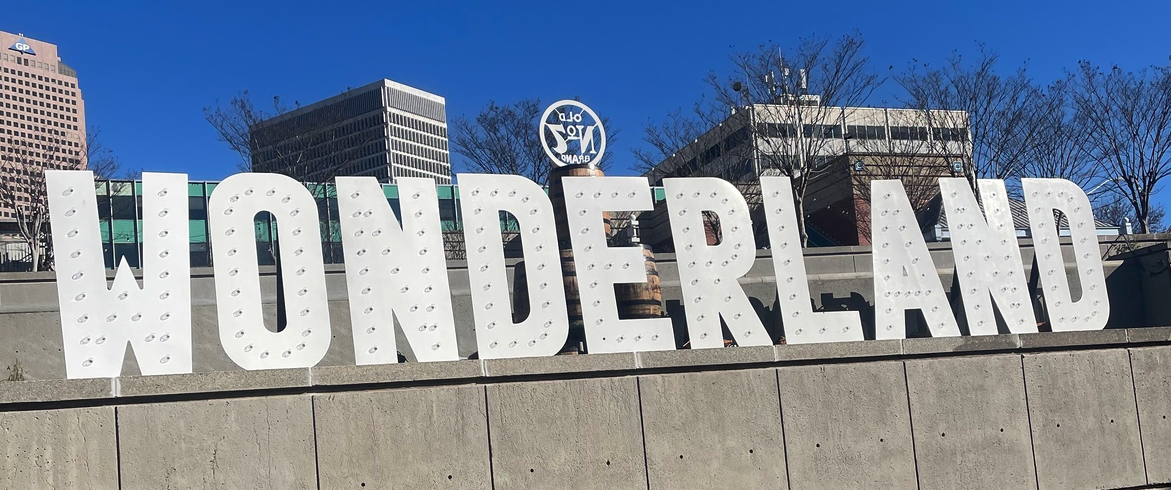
(396, 273)
(543, 332)
(231, 210)
(97, 322)
(802, 324)
(599, 267)
(987, 258)
(905, 277)
(709, 274)
(396, 270)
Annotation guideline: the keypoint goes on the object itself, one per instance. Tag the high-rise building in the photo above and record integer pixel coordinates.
(42, 118)
(385, 130)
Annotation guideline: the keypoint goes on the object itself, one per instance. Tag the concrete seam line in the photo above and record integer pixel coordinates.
(117, 447)
(911, 425)
(316, 438)
(646, 464)
(1029, 417)
(1138, 418)
(784, 440)
(488, 435)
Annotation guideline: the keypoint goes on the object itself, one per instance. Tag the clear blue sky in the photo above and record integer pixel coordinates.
(146, 70)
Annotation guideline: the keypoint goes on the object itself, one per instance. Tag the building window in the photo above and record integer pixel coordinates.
(865, 132)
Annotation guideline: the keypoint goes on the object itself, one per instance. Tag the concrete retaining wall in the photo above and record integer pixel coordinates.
(1039, 411)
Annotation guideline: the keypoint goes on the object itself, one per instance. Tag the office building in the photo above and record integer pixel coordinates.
(385, 130)
(846, 148)
(42, 119)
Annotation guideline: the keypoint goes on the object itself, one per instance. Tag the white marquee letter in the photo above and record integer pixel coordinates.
(904, 275)
(396, 271)
(988, 261)
(599, 267)
(96, 321)
(709, 274)
(802, 325)
(232, 210)
(1092, 310)
(543, 332)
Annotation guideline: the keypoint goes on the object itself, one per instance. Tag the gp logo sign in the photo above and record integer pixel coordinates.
(22, 46)
(576, 132)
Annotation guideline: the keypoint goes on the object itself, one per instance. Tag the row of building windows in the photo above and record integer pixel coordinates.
(326, 116)
(54, 107)
(30, 140)
(62, 83)
(414, 104)
(292, 143)
(406, 166)
(366, 166)
(26, 137)
(40, 86)
(31, 63)
(440, 169)
(437, 132)
(862, 132)
(47, 105)
(12, 118)
(30, 93)
(420, 151)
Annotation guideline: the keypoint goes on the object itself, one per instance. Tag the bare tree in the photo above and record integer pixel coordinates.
(1062, 149)
(673, 134)
(506, 139)
(918, 165)
(23, 193)
(309, 147)
(1129, 119)
(234, 123)
(997, 110)
(781, 112)
(502, 139)
(102, 161)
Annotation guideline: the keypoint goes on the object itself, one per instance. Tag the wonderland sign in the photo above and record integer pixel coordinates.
(396, 270)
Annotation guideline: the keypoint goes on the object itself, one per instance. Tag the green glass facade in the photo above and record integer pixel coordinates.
(120, 216)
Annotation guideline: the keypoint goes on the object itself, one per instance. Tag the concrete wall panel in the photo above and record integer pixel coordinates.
(847, 426)
(582, 433)
(70, 448)
(1084, 420)
(412, 438)
(253, 443)
(690, 443)
(1152, 385)
(971, 423)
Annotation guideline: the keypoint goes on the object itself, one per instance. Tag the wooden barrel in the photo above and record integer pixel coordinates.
(520, 293)
(521, 306)
(572, 301)
(642, 300)
(557, 196)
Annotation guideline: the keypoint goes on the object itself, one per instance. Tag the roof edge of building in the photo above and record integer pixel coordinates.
(377, 84)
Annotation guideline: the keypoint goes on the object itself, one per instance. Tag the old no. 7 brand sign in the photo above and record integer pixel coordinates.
(397, 270)
(572, 133)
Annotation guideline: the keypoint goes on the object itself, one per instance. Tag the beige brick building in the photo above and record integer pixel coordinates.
(846, 148)
(42, 117)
